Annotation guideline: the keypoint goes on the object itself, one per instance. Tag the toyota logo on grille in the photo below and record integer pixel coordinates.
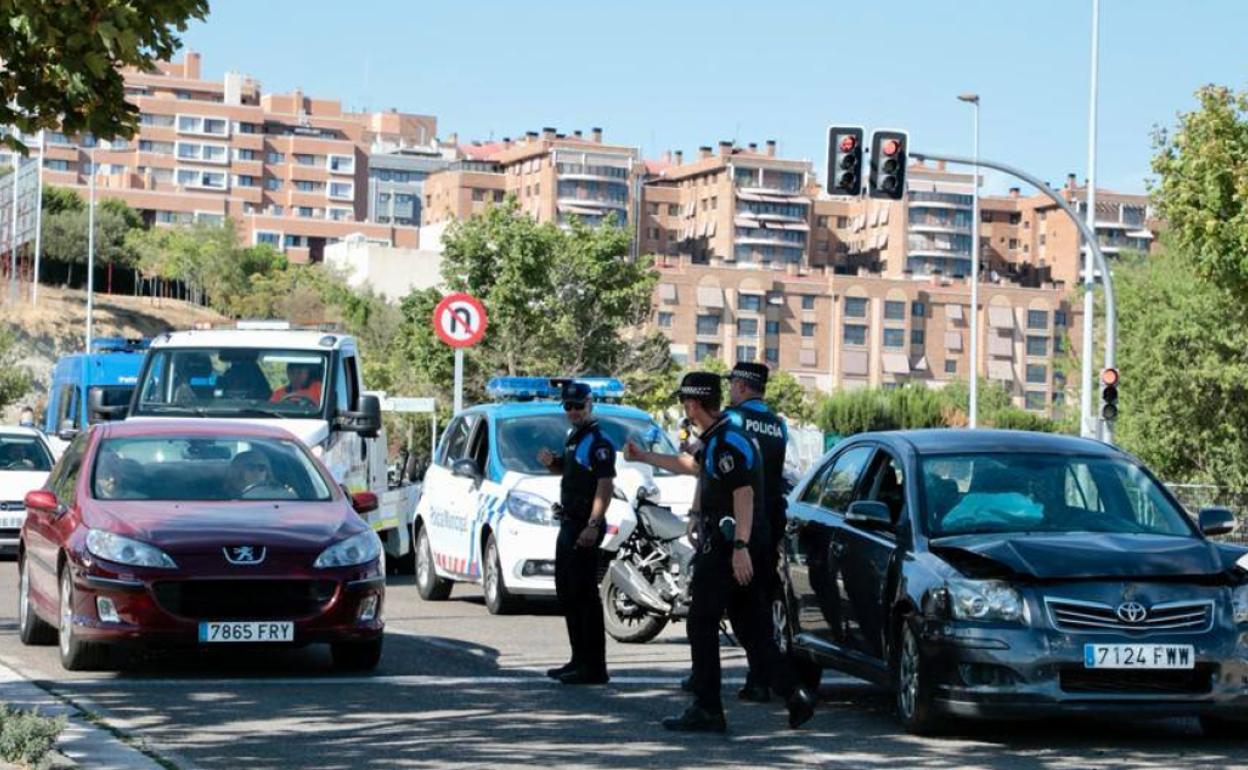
(245, 555)
(1132, 612)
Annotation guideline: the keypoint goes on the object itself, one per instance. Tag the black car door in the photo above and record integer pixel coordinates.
(865, 556)
(812, 521)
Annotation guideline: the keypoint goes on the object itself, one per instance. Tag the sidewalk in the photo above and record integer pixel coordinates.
(85, 744)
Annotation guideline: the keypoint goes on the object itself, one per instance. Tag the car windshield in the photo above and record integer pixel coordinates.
(23, 453)
(1034, 492)
(206, 468)
(233, 382)
(519, 438)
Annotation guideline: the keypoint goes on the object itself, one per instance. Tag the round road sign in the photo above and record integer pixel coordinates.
(459, 320)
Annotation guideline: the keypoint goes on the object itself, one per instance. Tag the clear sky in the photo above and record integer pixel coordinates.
(679, 74)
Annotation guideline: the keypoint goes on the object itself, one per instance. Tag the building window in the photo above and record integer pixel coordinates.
(747, 353)
(855, 334)
(1015, 218)
(985, 216)
(1037, 346)
(747, 327)
(202, 178)
(842, 222)
(272, 183)
(1059, 317)
(951, 366)
(303, 159)
(708, 324)
(245, 180)
(344, 164)
(673, 210)
(1035, 400)
(808, 302)
(808, 329)
(665, 320)
(1013, 243)
(194, 124)
(894, 338)
(342, 190)
(1037, 319)
(304, 185)
(751, 302)
(269, 237)
(273, 156)
(916, 336)
(855, 307)
(56, 164)
(772, 355)
(918, 310)
(1037, 374)
(773, 327)
(148, 119)
(303, 211)
(478, 194)
(894, 311)
(705, 350)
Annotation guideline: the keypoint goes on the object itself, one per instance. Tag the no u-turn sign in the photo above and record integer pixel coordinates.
(459, 320)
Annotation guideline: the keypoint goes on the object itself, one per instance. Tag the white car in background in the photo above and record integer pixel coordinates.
(25, 461)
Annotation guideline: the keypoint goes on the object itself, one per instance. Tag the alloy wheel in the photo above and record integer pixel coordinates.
(23, 598)
(67, 612)
(908, 674)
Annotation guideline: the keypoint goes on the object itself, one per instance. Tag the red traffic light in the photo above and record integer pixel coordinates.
(848, 143)
(890, 147)
(1109, 377)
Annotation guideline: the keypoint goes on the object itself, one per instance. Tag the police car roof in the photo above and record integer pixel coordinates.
(264, 339)
(934, 441)
(19, 430)
(505, 409)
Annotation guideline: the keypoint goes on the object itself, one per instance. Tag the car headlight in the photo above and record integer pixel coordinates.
(357, 549)
(122, 550)
(1239, 603)
(530, 508)
(986, 600)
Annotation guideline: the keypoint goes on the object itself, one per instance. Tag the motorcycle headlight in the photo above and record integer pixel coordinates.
(990, 600)
(1239, 603)
(530, 508)
(357, 549)
(123, 550)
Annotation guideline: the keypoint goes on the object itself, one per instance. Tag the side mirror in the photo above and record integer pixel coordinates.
(97, 412)
(42, 500)
(67, 430)
(465, 469)
(869, 514)
(1217, 521)
(366, 422)
(363, 502)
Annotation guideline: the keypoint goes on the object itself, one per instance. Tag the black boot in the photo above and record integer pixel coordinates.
(585, 676)
(555, 673)
(686, 684)
(696, 719)
(754, 693)
(801, 707)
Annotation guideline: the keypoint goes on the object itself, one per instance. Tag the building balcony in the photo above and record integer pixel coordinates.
(593, 203)
(939, 227)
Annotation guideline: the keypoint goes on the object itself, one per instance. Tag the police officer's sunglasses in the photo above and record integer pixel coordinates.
(573, 406)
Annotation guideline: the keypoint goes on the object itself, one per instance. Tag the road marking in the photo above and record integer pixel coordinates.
(402, 680)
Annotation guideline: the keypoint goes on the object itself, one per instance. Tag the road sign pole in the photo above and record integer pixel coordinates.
(459, 380)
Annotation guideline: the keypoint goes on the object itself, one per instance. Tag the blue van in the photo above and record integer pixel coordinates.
(111, 369)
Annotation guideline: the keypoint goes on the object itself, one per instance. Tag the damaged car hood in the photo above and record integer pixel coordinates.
(1079, 555)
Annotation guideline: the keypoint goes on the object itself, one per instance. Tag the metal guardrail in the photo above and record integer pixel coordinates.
(1196, 496)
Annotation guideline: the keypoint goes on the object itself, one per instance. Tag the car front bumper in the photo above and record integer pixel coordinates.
(998, 672)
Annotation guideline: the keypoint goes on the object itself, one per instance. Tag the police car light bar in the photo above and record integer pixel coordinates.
(531, 388)
(253, 325)
(119, 344)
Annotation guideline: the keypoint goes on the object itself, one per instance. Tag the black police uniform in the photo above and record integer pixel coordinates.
(730, 460)
(588, 457)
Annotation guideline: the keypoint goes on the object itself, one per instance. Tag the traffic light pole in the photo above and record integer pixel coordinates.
(1089, 237)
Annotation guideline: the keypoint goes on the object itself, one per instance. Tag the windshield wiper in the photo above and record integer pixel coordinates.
(174, 408)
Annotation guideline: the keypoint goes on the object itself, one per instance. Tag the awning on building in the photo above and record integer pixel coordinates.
(1002, 371)
(953, 340)
(807, 357)
(999, 316)
(1000, 346)
(711, 296)
(854, 362)
(667, 293)
(896, 363)
(953, 312)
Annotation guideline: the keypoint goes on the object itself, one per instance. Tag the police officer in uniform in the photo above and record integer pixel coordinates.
(746, 384)
(733, 538)
(588, 467)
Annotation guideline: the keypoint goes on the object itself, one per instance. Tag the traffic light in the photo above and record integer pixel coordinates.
(845, 160)
(888, 164)
(1109, 394)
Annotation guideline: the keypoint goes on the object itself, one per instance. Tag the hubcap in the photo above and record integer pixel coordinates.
(908, 674)
(422, 559)
(780, 625)
(491, 574)
(23, 597)
(67, 613)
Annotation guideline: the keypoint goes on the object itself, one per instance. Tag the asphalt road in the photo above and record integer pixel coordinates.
(459, 688)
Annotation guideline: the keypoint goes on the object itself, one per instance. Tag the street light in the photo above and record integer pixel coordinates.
(973, 100)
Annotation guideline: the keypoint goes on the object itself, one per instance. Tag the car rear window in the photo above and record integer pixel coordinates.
(23, 453)
(1036, 492)
(206, 468)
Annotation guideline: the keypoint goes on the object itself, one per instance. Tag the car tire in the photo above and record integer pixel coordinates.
(76, 654)
(498, 600)
(912, 682)
(631, 625)
(357, 656)
(1222, 728)
(809, 673)
(431, 587)
(32, 629)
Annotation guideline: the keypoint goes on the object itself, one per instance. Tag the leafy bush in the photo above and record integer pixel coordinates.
(27, 736)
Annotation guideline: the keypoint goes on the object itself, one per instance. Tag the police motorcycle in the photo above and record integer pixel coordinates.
(648, 558)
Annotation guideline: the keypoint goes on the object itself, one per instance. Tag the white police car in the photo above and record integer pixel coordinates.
(484, 516)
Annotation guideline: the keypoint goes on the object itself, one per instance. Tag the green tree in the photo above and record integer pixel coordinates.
(62, 59)
(1202, 186)
(788, 397)
(58, 199)
(65, 234)
(15, 379)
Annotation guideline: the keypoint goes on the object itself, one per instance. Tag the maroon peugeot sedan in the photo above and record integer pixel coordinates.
(197, 532)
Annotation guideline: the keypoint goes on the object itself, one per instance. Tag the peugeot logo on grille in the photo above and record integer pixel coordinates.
(245, 555)
(1132, 612)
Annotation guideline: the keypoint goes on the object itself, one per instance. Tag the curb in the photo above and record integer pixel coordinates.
(85, 744)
